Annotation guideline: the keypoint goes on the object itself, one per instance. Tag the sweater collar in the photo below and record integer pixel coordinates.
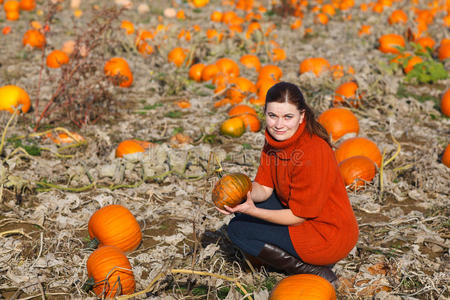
(283, 148)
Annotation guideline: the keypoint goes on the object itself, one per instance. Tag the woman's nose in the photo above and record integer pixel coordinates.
(278, 122)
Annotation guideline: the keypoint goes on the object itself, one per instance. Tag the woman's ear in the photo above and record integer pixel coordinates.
(302, 117)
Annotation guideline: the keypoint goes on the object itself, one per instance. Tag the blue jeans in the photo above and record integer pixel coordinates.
(250, 233)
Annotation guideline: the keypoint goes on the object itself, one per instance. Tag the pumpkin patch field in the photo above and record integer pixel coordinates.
(118, 118)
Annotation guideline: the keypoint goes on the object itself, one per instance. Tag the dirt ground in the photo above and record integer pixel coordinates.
(48, 192)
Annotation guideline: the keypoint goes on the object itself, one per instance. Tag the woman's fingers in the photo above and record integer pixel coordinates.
(223, 211)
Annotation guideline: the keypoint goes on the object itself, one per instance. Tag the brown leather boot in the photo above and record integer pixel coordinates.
(281, 260)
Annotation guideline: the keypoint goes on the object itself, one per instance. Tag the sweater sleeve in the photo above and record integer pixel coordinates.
(264, 175)
(311, 180)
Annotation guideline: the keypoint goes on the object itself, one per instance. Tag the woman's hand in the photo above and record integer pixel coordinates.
(246, 208)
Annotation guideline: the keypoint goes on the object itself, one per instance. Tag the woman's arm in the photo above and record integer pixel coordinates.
(260, 192)
(279, 216)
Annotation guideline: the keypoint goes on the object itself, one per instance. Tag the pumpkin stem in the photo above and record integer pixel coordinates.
(88, 285)
(219, 171)
(93, 244)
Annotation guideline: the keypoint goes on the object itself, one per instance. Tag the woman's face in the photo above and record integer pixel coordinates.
(283, 119)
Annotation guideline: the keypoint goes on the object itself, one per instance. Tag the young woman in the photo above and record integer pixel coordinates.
(298, 217)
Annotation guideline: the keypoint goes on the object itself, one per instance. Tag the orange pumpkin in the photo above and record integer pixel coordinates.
(127, 26)
(398, 16)
(209, 72)
(56, 59)
(231, 189)
(251, 122)
(11, 5)
(444, 49)
(317, 65)
(426, 42)
(12, 15)
(115, 225)
(303, 286)
(446, 156)
(270, 71)
(111, 273)
(118, 70)
(346, 92)
(388, 43)
(339, 121)
(234, 127)
(12, 96)
(262, 86)
(445, 103)
(216, 16)
(356, 170)
(241, 109)
(414, 60)
(33, 38)
(251, 61)
(177, 56)
(129, 147)
(228, 66)
(195, 71)
(358, 146)
(27, 5)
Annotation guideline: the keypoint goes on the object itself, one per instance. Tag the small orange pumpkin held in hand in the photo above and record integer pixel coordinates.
(56, 59)
(338, 122)
(234, 127)
(110, 273)
(11, 96)
(445, 103)
(358, 146)
(115, 225)
(118, 70)
(446, 156)
(303, 286)
(33, 38)
(356, 170)
(231, 189)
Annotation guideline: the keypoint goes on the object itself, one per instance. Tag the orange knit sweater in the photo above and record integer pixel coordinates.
(305, 176)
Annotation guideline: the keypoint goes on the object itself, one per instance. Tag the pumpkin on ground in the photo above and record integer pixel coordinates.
(339, 121)
(234, 127)
(389, 43)
(64, 138)
(12, 96)
(358, 146)
(177, 56)
(56, 59)
(33, 38)
(110, 271)
(129, 147)
(445, 103)
(118, 70)
(115, 225)
(446, 156)
(317, 65)
(231, 189)
(356, 170)
(241, 109)
(303, 286)
(346, 93)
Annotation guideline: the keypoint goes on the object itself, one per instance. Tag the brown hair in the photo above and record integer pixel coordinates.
(288, 92)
